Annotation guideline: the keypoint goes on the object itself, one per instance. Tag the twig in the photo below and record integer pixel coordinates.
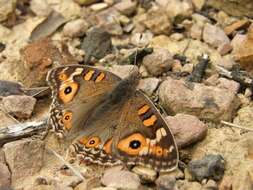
(77, 173)
(18, 131)
(236, 126)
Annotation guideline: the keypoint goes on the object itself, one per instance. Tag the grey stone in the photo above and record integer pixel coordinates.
(97, 43)
(209, 167)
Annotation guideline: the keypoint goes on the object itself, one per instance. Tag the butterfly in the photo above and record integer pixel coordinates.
(110, 121)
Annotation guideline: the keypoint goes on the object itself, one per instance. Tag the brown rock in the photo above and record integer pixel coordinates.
(5, 176)
(225, 48)
(243, 50)
(118, 178)
(157, 21)
(126, 7)
(226, 183)
(206, 102)
(187, 129)
(158, 62)
(75, 28)
(236, 7)
(149, 85)
(230, 85)
(20, 106)
(38, 57)
(24, 158)
(237, 25)
(214, 36)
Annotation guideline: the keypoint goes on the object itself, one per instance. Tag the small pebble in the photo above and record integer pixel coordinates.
(75, 28)
(99, 6)
(210, 167)
(146, 174)
(117, 178)
(20, 106)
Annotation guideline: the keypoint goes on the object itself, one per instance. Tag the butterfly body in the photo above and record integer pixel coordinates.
(110, 121)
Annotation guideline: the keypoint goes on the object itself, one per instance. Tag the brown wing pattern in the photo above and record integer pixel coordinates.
(143, 137)
(76, 91)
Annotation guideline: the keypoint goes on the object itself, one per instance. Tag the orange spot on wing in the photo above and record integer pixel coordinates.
(158, 151)
(93, 142)
(68, 91)
(83, 140)
(100, 77)
(107, 146)
(88, 75)
(123, 145)
(62, 76)
(143, 109)
(67, 120)
(150, 121)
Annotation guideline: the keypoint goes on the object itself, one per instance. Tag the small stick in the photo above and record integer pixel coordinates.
(22, 130)
(236, 126)
(77, 173)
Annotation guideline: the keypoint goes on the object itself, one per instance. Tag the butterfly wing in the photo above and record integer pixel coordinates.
(94, 142)
(76, 91)
(143, 137)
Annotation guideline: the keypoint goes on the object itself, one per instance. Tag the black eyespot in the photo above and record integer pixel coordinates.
(67, 117)
(92, 142)
(68, 90)
(135, 144)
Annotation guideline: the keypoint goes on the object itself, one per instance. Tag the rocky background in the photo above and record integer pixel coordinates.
(169, 40)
